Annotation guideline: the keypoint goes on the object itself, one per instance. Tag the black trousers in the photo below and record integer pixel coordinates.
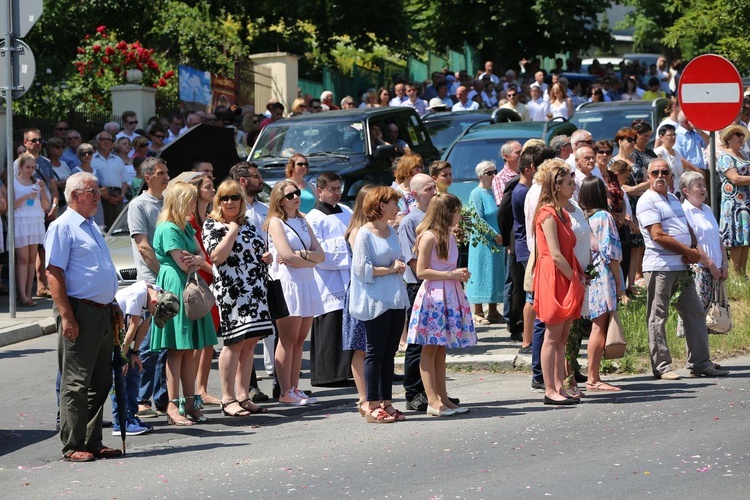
(412, 376)
(383, 334)
(329, 363)
(517, 295)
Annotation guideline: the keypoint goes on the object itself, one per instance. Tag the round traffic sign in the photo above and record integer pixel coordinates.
(710, 92)
(24, 69)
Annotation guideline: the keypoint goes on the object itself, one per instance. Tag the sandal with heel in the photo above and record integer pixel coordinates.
(393, 412)
(180, 404)
(197, 405)
(379, 416)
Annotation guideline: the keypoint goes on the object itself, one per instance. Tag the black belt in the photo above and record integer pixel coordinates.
(92, 303)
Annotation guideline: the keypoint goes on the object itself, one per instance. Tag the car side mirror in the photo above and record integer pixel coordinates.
(384, 152)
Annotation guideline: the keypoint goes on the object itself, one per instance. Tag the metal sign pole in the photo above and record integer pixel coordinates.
(714, 191)
(7, 52)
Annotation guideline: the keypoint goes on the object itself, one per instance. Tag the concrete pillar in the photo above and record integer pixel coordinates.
(276, 76)
(136, 98)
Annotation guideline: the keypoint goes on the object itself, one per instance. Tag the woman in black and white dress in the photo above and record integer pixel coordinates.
(236, 249)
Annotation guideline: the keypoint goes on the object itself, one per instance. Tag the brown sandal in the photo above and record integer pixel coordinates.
(396, 414)
(379, 416)
(79, 456)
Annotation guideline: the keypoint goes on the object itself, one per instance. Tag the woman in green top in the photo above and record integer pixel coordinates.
(178, 251)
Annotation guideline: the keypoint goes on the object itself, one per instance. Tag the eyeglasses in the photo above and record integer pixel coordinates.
(132, 123)
(75, 138)
(608, 152)
(566, 145)
(657, 173)
(293, 194)
(86, 153)
(302, 164)
(233, 197)
(104, 139)
(93, 192)
(631, 140)
(510, 96)
(158, 136)
(588, 142)
(491, 172)
(35, 140)
(61, 129)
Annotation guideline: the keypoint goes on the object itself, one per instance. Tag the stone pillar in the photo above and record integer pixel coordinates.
(136, 98)
(276, 76)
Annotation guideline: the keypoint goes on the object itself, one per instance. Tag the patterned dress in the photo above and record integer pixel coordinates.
(734, 221)
(239, 283)
(605, 247)
(441, 314)
(353, 336)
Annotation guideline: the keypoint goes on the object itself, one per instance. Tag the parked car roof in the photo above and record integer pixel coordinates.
(604, 119)
(445, 127)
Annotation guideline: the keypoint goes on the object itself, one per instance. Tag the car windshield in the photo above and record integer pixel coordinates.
(605, 125)
(444, 132)
(307, 138)
(465, 156)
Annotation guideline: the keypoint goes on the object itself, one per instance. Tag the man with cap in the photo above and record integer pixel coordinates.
(139, 302)
(538, 108)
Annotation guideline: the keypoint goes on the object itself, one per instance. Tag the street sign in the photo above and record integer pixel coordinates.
(24, 69)
(25, 14)
(710, 92)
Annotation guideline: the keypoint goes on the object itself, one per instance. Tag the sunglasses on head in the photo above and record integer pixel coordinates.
(293, 195)
(233, 197)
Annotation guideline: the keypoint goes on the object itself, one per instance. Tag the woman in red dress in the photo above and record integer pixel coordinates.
(558, 277)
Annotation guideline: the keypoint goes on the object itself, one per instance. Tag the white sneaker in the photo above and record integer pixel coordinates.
(310, 400)
(296, 400)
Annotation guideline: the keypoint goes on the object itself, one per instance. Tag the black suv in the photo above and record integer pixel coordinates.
(604, 119)
(340, 141)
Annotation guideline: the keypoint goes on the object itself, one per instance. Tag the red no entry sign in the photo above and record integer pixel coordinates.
(710, 92)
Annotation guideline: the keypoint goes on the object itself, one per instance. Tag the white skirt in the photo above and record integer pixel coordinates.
(302, 298)
(29, 231)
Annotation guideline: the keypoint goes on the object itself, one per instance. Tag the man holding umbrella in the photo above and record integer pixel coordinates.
(83, 283)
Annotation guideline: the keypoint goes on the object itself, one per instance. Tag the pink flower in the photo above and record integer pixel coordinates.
(101, 29)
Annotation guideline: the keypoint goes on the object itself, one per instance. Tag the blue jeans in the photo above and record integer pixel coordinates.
(536, 351)
(508, 287)
(153, 378)
(132, 382)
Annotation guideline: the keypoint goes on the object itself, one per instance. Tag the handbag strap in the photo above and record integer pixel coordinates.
(295, 232)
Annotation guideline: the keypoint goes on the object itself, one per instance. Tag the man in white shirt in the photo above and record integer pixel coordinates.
(129, 122)
(670, 246)
(488, 71)
(114, 175)
(413, 101)
(464, 104)
(537, 107)
(329, 364)
(400, 91)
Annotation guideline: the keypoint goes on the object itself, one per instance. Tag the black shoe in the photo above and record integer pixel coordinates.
(581, 378)
(417, 403)
(106, 423)
(524, 349)
(455, 401)
(397, 377)
(538, 385)
(276, 391)
(564, 402)
(516, 337)
(257, 396)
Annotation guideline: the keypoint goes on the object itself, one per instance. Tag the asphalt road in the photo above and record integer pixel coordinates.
(681, 439)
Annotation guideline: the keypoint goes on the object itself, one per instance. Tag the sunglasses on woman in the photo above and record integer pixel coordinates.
(233, 197)
(293, 194)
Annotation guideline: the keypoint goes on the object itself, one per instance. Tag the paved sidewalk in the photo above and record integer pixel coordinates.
(494, 351)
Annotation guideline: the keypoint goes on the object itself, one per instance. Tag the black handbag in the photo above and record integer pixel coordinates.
(276, 302)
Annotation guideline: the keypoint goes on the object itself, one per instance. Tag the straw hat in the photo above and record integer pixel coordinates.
(728, 132)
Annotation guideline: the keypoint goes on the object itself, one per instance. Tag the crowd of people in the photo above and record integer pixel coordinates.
(574, 230)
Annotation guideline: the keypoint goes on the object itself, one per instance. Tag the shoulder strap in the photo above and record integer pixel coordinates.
(298, 236)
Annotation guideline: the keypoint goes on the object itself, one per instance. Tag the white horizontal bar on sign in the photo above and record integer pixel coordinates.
(710, 93)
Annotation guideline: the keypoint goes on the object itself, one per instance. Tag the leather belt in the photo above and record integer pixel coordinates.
(91, 303)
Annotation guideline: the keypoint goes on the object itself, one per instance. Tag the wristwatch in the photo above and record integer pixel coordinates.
(135, 351)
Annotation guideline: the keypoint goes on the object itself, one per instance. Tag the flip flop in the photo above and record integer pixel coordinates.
(481, 320)
(257, 409)
(601, 386)
(28, 303)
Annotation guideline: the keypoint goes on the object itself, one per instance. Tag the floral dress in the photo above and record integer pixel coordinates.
(734, 221)
(605, 247)
(239, 283)
(441, 315)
